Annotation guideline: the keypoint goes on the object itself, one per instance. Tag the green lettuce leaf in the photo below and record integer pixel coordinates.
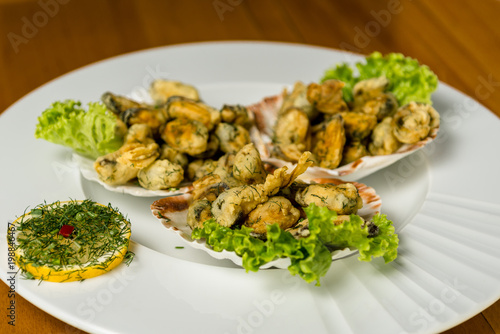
(408, 80)
(91, 132)
(352, 234)
(310, 257)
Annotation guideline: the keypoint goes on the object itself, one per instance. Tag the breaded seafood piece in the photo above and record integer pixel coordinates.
(199, 211)
(112, 172)
(414, 121)
(248, 167)
(358, 125)
(292, 134)
(327, 96)
(280, 179)
(370, 97)
(297, 98)
(234, 204)
(172, 155)
(209, 187)
(160, 175)
(139, 155)
(383, 141)
(300, 230)
(192, 168)
(121, 166)
(138, 133)
(181, 107)
(186, 136)
(154, 118)
(369, 89)
(232, 137)
(207, 167)
(212, 148)
(329, 141)
(343, 198)
(161, 90)
(117, 104)
(353, 150)
(236, 114)
(381, 106)
(276, 210)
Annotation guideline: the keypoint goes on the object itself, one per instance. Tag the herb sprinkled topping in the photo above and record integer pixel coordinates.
(71, 233)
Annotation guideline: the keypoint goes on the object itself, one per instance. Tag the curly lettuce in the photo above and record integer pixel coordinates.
(92, 132)
(310, 256)
(408, 80)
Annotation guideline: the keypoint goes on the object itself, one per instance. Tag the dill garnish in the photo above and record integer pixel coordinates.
(99, 231)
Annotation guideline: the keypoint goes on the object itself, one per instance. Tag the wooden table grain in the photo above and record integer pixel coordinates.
(41, 40)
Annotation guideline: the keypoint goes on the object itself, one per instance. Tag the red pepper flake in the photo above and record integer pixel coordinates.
(66, 230)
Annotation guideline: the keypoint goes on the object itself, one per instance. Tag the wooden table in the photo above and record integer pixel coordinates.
(41, 40)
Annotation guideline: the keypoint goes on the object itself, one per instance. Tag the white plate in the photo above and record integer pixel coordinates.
(444, 201)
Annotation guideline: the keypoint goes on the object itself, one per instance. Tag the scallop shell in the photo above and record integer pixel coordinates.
(265, 114)
(172, 213)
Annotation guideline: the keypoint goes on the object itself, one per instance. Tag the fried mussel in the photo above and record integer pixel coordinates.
(175, 138)
(241, 192)
(316, 118)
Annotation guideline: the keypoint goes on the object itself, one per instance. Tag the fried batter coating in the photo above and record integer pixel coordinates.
(248, 166)
(353, 150)
(368, 89)
(232, 137)
(327, 96)
(192, 168)
(383, 140)
(280, 179)
(112, 172)
(180, 107)
(172, 155)
(161, 174)
(209, 187)
(329, 141)
(138, 151)
(154, 118)
(292, 134)
(117, 104)
(199, 211)
(234, 204)
(207, 167)
(277, 210)
(138, 133)
(343, 198)
(414, 121)
(138, 155)
(161, 90)
(212, 148)
(370, 97)
(236, 114)
(297, 98)
(358, 125)
(381, 106)
(187, 136)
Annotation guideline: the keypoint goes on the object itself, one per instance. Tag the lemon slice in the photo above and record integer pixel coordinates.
(69, 241)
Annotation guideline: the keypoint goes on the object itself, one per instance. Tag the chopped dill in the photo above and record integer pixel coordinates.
(129, 256)
(98, 231)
